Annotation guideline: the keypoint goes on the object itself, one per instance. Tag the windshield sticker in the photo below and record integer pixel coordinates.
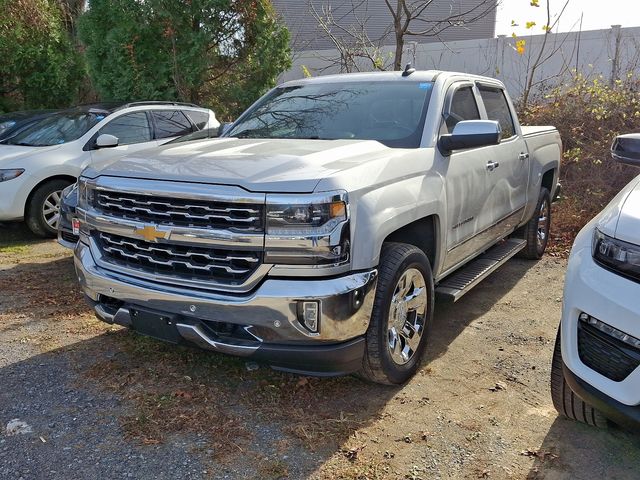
(423, 85)
(99, 117)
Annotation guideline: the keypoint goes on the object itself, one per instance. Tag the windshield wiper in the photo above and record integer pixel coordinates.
(251, 132)
(19, 144)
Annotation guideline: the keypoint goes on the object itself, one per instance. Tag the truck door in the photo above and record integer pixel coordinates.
(466, 181)
(509, 177)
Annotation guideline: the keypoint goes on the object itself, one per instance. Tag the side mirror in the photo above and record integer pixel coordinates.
(224, 128)
(106, 141)
(471, 134)
(626, 149)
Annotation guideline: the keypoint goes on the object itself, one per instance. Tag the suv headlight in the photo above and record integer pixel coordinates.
(616, 255)
(307, 229)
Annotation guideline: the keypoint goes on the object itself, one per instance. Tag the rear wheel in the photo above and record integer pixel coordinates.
(402, 312)
(43, 210)
(536, 231)
(565, 401)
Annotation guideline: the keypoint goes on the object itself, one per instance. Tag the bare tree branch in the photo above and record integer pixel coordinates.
(349, 34)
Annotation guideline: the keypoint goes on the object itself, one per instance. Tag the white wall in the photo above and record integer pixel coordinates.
(592, 53)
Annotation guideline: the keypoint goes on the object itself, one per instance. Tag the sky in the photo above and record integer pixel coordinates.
(598, 14)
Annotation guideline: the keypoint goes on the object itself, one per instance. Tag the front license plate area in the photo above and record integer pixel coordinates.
(151, 324)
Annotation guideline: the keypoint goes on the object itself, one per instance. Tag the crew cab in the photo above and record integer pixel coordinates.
(317, 232)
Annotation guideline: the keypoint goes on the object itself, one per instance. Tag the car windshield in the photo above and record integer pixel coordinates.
(56, 129)
(392, 113)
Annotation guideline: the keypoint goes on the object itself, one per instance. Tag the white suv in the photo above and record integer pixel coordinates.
(595, 374)
(39, 161)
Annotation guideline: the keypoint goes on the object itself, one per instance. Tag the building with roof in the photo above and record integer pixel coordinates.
(375, 18)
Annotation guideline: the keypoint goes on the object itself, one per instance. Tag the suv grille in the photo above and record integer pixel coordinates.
(605, 354)
(246, 218)
(178, 261)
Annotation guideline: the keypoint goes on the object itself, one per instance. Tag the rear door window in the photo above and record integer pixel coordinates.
(171, 123)
(463, 107)
(199, 118)
(498, 109)
(129, 128)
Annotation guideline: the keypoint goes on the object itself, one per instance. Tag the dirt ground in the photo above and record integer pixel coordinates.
(100, 402)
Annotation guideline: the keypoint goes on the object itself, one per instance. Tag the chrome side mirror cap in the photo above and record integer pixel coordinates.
(471, 134)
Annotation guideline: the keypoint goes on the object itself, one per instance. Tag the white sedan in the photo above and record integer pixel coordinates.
(40, 160)
(595, 375)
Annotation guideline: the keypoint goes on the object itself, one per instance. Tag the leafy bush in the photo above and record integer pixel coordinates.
(588, 114)
(40, 66)
(220, 53)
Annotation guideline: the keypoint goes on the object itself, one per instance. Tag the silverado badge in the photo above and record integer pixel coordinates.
(150, 233)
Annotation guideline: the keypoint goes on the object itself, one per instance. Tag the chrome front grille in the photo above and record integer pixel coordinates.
(178, 262)
(181, 212)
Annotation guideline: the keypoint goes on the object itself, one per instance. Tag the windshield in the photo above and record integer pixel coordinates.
(56, 129)
(392, 113)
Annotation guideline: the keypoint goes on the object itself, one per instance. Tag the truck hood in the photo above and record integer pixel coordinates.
(621, 218)
(259, 165)
(11, 153)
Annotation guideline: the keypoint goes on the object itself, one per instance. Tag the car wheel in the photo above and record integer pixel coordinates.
(403, 309)
(536, 231)
(565, 401)
(43, 210)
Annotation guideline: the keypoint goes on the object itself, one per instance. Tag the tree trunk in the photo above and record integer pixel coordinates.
(397, 63)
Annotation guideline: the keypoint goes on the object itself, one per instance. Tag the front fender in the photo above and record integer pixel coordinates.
(382, 211)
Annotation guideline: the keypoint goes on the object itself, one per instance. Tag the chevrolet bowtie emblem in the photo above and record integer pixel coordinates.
(150, 233)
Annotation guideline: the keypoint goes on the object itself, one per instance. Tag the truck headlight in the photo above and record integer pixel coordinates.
(10, 174)
(86, 190)
(307, 229)
(621, 257)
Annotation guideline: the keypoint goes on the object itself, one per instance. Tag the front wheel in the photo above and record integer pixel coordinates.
(566, 402)
(43, 210)
(403, 309)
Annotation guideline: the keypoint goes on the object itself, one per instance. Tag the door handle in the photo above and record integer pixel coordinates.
(523, 156)
(491, 166)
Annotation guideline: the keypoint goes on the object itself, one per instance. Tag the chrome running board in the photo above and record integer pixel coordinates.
(456, 285)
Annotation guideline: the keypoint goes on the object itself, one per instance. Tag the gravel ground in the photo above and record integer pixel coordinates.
(99, 402)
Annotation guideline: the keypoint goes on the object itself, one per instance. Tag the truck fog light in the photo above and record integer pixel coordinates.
(309, 315)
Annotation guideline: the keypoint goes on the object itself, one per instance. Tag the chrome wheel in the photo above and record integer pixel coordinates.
(51, 209)
(543, 224)
(407, 315)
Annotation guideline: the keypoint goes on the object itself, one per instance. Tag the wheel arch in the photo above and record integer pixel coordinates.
(422, 233)
(69, 178)
(548, 180)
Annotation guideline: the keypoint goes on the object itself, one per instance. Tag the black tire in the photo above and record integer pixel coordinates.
(535, 248)
(35, 216)
(565, 401)
(378, 365)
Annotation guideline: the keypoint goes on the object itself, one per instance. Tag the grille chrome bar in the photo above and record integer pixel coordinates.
(180, 212)
(177, 261)
(179, 235)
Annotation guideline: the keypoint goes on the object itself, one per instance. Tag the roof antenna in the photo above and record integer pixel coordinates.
(408, 70)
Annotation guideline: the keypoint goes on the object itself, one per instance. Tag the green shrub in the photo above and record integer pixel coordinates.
(219, 53)
(589, 113)
(40, 66)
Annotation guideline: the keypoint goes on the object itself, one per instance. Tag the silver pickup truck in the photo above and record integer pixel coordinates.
(316, 234)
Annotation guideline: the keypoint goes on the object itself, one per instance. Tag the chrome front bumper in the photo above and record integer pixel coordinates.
(269, 313)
